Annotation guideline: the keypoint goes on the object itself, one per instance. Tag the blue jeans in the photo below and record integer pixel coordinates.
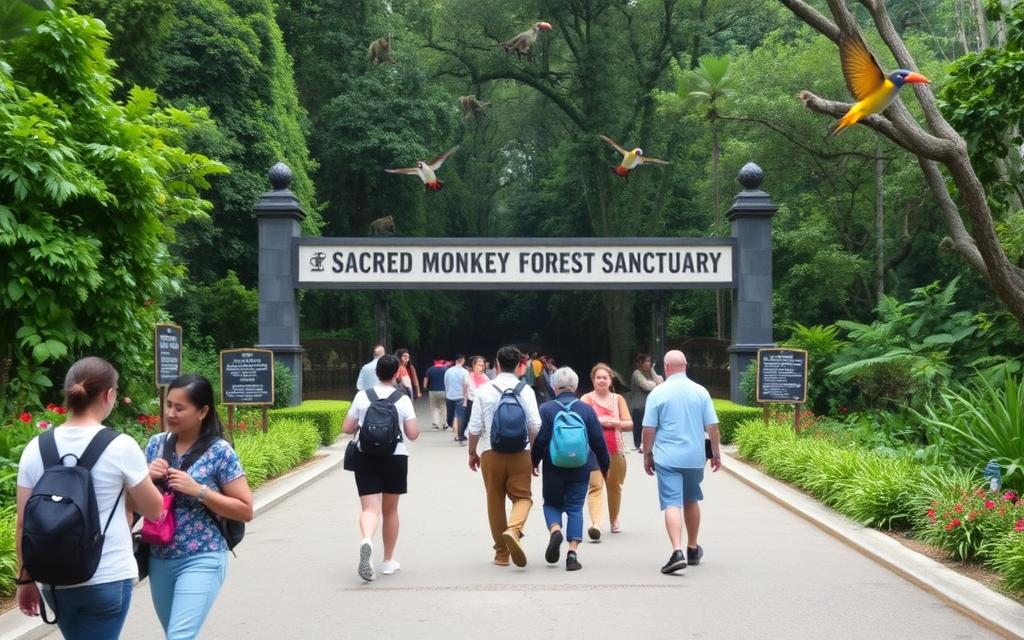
(451, 406)
(573, 494)
(184, 590)
(95, 612)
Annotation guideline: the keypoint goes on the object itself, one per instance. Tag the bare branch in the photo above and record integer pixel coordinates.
(810, 16)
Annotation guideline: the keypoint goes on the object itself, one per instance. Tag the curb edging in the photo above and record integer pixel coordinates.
(988, 608)
(14, 625)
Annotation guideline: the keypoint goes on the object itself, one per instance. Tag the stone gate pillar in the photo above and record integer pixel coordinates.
(751, 218)
(279, 216)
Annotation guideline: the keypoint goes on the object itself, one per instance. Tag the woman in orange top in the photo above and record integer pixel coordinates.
(410, 382)
(613, 414)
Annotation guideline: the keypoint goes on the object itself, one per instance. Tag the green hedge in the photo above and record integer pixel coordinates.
(8, 557)
(730, 415)
(286, 443)
(950, 508)
(327, 415)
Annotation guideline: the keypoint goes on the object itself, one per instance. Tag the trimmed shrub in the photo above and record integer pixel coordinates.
(730, 415)
(326, 415)
(8, 557)
(267, 455)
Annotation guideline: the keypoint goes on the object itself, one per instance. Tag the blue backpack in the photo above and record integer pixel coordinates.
(570, 446)
(509, 433)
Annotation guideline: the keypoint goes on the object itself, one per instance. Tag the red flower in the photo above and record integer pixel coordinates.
(990, 504)
(43, 424)
(955, 522)
(25, 417)
(242, 426)
(844, 410)
(1010, 496)
(959, 508)
(980, 493)
(141, 420)
(931, 513)
(60, 410)
(1019, 526)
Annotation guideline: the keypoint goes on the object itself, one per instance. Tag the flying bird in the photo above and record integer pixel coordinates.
(873, 89)
(522, 44)
(630, 159)
(426, 170)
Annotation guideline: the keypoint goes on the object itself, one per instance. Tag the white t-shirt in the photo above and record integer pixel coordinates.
(405, 412)
(122, 465)
(487, 397)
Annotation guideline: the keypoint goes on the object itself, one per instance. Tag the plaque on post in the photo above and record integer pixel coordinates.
(782, 378)
(246, 379)
(166, 359)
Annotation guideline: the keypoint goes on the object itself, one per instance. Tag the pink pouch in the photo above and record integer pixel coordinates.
(160, 531)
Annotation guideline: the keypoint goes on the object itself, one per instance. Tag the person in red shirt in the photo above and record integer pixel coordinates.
(613, 414)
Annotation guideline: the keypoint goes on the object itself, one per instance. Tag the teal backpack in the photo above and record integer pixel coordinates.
(570, 446)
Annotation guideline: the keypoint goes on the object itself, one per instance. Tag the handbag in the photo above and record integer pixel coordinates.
(351, 456)
(160, 531)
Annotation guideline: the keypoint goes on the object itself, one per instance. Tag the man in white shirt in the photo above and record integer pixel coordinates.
(454, 379)
(505, 474)
(368, 374)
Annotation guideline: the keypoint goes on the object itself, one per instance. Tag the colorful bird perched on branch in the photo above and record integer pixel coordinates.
(873, 89)
(630, 159)
(522, 44)
(426, 170)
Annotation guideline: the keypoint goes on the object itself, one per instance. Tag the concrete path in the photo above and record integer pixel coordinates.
(766, 573)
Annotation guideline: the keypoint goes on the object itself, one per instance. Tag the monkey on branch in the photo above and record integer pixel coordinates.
(522, 44)
(472, 107)
(379, 51)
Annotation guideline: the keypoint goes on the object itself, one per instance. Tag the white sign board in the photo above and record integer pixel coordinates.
(534, 263)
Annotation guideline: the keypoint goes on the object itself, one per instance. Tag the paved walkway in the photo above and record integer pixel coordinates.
(766, 573)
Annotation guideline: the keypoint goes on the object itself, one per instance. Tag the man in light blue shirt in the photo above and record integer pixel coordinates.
(368, 374)
(454, 378)
(678, 413)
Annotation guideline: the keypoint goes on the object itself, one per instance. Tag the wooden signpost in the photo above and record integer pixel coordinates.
(166, 360)
(782, 379)
(246, 379)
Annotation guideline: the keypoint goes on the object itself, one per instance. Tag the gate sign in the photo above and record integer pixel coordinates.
(166, 353)
(782, 375)
(510, 263)
(246, 376)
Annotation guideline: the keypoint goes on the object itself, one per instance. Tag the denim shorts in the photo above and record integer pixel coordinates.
(676, 487)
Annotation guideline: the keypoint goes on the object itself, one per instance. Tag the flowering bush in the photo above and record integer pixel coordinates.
(964, 525)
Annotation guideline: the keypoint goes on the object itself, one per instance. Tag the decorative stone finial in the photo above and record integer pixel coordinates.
(751, 176)
(280, 176)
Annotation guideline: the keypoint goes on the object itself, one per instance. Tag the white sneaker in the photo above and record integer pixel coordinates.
(389, 567)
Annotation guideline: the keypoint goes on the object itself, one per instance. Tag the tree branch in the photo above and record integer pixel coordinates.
(812, 17)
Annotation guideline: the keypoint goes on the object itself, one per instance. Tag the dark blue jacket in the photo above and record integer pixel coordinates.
(541, 450)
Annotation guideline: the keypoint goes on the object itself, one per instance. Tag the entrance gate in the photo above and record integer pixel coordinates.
(743, 262)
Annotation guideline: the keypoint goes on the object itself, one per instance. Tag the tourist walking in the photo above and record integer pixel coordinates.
(613, 414)
(433, 382)
(385, 420)
(566, 452)
(643, 381)
(454, 382)
(473, 381)
(209, 486)
(368, 374)
(95, 605)
(407, 379)
(678, 414)
(501, 429)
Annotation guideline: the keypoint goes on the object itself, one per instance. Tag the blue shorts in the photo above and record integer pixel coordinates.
(676, 487)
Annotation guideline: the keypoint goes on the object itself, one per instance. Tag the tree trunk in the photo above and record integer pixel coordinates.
(879, 223)
(719, 294)
(618, 309)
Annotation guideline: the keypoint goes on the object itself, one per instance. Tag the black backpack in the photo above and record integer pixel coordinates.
(61, 541)
(232, 530)
(380, 432)
(509, 431)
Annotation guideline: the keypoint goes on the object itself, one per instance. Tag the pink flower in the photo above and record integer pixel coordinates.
(990, 504)
(1019, 526)
(931, 513)
(25, 417)
(42, 424)
(980, 493)
(1010, 496)
(126, 400)
(955, 522)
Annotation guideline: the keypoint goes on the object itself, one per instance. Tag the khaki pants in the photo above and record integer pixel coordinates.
(438, 409)
(616, 477)
(506, 474)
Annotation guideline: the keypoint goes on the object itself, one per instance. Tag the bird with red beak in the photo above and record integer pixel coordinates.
(522, 44)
